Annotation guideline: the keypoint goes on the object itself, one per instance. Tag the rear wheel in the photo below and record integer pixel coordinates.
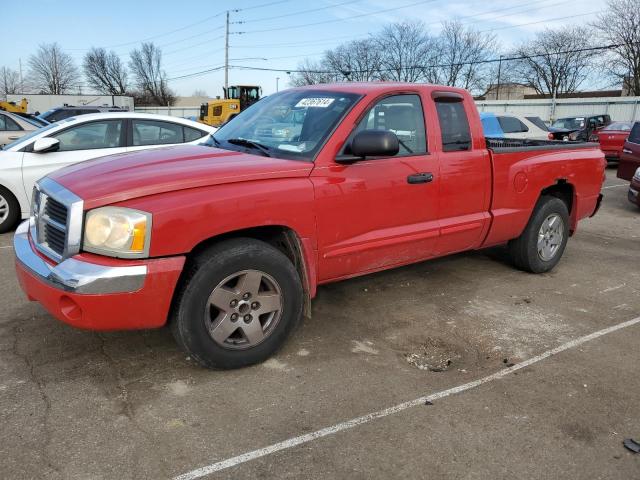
(9, 210)
(543, 241)
(238, 304)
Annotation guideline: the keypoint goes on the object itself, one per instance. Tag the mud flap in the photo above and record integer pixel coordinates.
(598, 203)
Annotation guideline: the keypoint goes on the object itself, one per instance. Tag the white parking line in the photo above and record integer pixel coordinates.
(617, 185)
(5, 246)
(309, 437)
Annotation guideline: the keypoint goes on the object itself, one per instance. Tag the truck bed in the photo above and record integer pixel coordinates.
(511, 145)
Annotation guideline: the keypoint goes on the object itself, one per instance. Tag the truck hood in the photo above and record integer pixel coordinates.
(121, 177)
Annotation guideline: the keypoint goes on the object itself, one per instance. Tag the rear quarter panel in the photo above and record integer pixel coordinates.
(521, 176)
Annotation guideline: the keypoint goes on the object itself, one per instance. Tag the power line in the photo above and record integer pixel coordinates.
(295, 70)
(335, 20)
(297, 44)
(425, 67)
(193, 45)
(329, 40)
(275, 17)
(541, 21)
(238, 59)
(199, 22)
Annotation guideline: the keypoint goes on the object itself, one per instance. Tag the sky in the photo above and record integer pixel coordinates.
(264, 33)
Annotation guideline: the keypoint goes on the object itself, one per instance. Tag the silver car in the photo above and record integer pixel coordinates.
(13, 126)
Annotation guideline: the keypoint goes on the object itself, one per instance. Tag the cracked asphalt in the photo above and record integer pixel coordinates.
(129, 405)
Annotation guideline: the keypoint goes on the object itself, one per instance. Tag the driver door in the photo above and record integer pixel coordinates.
(379, 212)
(76, 144)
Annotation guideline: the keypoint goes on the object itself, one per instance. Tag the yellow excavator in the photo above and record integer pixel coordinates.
(236, 99)
(14, 107)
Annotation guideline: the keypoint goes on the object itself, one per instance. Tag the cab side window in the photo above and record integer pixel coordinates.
(454, 125)
(403, 115)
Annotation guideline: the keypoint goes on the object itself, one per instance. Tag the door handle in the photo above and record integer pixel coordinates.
(424, 177)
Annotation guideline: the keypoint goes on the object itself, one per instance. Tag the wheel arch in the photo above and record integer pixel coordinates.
(22, 200)
(282, 238)
(565, 191)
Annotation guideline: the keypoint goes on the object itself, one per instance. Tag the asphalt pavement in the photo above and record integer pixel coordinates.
(332, 404)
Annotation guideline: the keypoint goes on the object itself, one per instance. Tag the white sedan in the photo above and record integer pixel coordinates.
(77, 139)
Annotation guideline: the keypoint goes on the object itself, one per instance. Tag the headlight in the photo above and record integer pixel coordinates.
(636, 176)
(117, 232)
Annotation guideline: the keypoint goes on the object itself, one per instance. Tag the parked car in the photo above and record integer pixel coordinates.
(228, 242)
(578, 128)
(634, 189)
(630, 156)
(33, 118)
(499, 125)
(67, 111)
(77, 139)
(611, 139)
(13, 126)
(490, 125)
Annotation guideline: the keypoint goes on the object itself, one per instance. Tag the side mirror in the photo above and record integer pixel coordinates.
(46, 144)
(371, 143)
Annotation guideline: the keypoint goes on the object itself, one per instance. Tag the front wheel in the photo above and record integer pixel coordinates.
(238, 304)
(9, 210)
(545, 237)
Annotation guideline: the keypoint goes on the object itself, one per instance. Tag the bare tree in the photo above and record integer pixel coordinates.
(199, 93)
(620, 25)
(311, 73)
(463, 53)
(358, 60)
(105, 72)
(9, 81)
(151, 79)
(51, 70)
(404, 48)
(556, 62)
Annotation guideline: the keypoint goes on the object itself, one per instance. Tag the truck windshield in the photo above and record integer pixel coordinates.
(293, 124)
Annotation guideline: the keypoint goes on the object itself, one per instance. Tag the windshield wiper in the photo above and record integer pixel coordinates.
(215, 141)
(251, 144)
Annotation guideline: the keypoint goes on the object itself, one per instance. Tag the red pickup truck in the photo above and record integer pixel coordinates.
(227, 242)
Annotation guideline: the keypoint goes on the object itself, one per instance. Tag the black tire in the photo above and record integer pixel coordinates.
(524, 249)
(13, 215)
(206, 271)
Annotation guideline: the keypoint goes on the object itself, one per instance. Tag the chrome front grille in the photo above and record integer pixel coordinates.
(56, 220)
(56, 211)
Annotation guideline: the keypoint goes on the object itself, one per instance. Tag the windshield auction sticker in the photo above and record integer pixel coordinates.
(314, 102)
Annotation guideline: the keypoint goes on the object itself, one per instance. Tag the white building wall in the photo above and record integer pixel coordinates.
(620, 108)
(42, 103)
(183, 112)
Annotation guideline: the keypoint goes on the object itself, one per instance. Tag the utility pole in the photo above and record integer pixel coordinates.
(499, 71)
(277, 80)
(21, 82)
(226, 55)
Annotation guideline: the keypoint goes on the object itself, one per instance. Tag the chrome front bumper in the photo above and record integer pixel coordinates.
(77, 276)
